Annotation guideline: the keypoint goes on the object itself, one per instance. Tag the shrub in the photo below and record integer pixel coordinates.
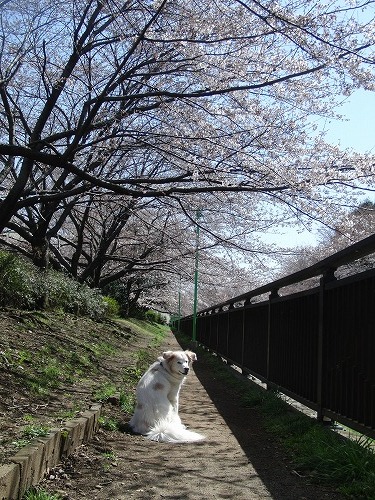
(17, 287)
(151, 316)
(112, 307)
(25, 286)
(155, 317)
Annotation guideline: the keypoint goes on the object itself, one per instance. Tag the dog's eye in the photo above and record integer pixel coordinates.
(179, 362)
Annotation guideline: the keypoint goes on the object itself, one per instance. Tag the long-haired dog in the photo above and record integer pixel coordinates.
(156, 413)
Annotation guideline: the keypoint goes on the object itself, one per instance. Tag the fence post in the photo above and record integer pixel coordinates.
(179, 306)
(243, 339)
(327, 277)
(247, 302)
(230, 307)
(273, 295)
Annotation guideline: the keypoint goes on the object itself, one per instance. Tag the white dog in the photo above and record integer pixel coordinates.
(156, 413)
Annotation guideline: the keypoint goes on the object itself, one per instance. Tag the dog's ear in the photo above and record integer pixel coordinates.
(167, 354)
(191, 355)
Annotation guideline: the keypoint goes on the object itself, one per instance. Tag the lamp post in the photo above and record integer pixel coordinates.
(194, 336)
(179, 307)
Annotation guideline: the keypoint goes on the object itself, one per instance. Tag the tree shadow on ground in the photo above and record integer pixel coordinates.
(271, 462)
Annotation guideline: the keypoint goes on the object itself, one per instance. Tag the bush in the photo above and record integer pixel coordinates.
(17, 285)
(25, 286)
(118, 290)
(112, 307)
(155, 317)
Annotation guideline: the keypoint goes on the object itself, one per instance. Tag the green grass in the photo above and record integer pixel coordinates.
(103, 349)
(127, 402)
(143, 358)
(37, 494)
(347, 465)
(131, 375)
(104, 392)
(30, 432)
(134, 371)
(156, 331)
(109, 459)
(33, 431)
(108, 424)
(49, 374)
(47, 368)
(317, 452)
(69, 413)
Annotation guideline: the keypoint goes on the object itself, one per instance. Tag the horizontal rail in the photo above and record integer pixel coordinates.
(324, 266)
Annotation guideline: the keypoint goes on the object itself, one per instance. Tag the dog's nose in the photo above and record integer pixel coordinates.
(186, 371)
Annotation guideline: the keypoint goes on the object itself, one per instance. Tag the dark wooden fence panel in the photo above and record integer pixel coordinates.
(349, 349)
(255, 346)
(235, 328)
(214, 321)
(186, 324)
(317, 346)
(294, 328)
(222, 334)
(204, 332)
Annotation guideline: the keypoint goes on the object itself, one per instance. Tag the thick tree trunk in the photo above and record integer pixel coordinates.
(40, 251)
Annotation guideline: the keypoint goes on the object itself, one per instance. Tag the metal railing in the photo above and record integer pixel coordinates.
(316, 346)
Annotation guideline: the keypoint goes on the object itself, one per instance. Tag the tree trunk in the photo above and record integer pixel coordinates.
(40, 250)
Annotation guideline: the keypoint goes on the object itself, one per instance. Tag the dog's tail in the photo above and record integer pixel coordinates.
(173, 432)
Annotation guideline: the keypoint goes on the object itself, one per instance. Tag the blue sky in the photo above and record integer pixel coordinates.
(357, 132)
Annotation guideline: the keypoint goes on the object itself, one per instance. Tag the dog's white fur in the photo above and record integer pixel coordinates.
(156, 413)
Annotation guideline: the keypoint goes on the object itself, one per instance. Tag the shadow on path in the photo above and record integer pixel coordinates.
(268, 460)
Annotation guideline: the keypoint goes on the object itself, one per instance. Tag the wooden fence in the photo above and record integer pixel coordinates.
(316, 346)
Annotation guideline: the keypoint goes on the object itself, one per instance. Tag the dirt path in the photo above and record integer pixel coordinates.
(237, 460)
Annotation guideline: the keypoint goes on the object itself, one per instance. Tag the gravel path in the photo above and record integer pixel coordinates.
(236, 461)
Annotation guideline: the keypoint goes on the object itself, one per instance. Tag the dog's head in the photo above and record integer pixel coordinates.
(179, 362)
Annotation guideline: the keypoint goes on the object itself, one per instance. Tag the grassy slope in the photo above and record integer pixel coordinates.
(54, 365)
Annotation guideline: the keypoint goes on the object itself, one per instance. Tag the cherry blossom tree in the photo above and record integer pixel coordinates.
(191, 105)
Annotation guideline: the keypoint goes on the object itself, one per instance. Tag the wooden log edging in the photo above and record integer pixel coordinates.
(28, 466)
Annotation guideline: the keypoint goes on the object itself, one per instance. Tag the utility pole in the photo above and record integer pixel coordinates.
(194, 337)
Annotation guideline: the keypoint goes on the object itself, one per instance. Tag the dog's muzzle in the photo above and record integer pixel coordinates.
(186, 370)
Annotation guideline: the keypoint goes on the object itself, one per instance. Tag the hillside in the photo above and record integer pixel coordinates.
(53, 366)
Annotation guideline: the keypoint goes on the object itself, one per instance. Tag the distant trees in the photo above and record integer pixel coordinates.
(119, 119)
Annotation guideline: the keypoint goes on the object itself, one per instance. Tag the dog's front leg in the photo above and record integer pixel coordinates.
(174, 403)
(173, 398)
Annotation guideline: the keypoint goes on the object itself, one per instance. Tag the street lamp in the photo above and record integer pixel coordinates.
(179, 306)
(195, 303)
